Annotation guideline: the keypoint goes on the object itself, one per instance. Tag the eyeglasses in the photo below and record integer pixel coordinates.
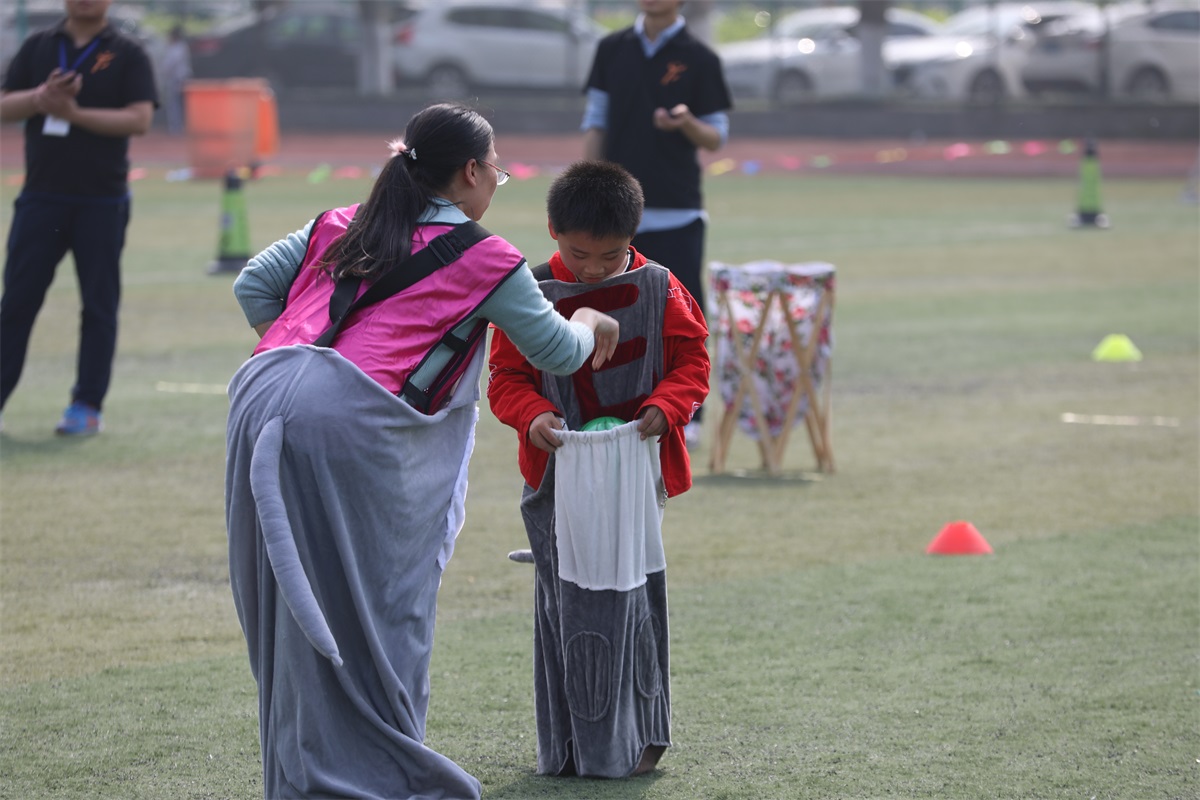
(501, 175)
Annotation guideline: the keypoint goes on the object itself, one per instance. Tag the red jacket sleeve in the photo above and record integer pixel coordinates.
(515, 396)
(684, 385)
(686, 367)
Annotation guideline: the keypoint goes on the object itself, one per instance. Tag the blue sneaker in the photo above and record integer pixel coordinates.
(79, 419)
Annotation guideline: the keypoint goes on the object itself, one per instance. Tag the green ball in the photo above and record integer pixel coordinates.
(603, 424)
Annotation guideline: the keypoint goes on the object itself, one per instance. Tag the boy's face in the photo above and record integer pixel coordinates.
(589, 258)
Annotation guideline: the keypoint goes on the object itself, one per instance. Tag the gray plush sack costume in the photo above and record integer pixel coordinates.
(601, 664)
(342, 504)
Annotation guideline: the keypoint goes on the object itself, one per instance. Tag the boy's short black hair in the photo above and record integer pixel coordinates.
(598, 198)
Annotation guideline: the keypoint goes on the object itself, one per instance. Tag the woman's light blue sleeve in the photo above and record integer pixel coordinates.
(262, 287)
(545, 337)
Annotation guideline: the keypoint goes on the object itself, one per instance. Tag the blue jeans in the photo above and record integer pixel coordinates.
(44, 228)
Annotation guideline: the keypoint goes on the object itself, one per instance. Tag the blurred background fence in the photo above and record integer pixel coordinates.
(796, 67)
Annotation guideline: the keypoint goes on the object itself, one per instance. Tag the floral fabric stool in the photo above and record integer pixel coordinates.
(774, 341)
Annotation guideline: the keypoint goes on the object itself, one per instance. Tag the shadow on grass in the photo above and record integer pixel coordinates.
(48, 443)
(533, 786)
(786, 479)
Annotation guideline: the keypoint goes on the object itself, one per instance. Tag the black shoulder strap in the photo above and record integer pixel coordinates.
(444, 249)
(542, 272)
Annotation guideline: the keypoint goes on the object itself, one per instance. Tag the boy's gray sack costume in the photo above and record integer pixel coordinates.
(601, 659)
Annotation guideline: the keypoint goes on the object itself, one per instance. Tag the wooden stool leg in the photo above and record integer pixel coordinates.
(814, 416)
(766, 442)
(830, 467)
(730, 412)
(819, 406)
(745, 364)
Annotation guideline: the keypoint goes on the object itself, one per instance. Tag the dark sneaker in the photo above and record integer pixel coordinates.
(79, 419)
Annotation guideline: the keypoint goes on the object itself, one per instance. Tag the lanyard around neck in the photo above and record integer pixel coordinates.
(62, 55)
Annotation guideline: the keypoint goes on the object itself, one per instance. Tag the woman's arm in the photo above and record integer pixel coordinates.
(262, 286)
(545, 337)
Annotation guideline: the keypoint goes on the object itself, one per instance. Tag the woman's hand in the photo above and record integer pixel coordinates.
(542, 431)
(606, 330)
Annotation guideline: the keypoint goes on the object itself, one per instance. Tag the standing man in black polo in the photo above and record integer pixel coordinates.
(82, 90)
(655, 95)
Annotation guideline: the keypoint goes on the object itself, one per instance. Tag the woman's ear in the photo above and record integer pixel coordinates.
(471, 172)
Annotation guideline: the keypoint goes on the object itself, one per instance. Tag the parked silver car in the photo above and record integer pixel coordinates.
(1143, 51)
(452, 48)
(810, 54)
(980, 54)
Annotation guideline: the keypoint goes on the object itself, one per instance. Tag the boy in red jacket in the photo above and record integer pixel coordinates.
(601, 681)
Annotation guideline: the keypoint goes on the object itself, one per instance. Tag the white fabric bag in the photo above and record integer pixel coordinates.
(608, 518)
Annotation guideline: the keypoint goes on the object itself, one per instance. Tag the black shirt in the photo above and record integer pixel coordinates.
(684, 70)
(116, 73)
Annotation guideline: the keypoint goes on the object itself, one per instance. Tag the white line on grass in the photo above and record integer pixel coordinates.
(1110, 419)
(191, 388)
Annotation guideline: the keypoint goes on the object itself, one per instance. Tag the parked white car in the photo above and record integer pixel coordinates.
(452, 48)
(980, 54)
(1153, 53)
(810, 54)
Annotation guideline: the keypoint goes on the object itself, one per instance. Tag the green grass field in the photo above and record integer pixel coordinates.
(817, 651)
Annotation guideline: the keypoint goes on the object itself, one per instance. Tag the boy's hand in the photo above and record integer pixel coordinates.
(653, 422)
(542, 431)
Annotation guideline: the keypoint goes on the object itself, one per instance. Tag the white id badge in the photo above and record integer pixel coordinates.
(55, 126)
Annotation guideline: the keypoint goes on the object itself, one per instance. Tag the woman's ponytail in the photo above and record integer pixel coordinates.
(437, 142)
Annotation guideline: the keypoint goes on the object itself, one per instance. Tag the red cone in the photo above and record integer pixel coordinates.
(959, 539)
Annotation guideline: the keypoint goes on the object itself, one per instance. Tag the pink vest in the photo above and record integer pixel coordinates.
(390, 339)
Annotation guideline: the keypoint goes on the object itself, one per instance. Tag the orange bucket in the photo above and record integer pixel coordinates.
(230, 124)
(266, 142)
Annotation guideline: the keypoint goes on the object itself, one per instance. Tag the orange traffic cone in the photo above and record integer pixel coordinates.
(959, 539)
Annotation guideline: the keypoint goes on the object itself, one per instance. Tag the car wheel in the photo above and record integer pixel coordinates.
(447, 82)
(986, 89)
(1148, 84)
(792, 89)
